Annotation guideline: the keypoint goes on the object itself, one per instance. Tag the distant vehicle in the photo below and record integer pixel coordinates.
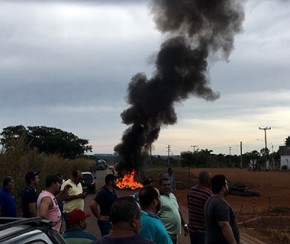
(111, 167)
(88, 182)
(28, 230)
(101, 164)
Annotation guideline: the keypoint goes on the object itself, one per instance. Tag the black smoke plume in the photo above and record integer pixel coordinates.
(196, 31)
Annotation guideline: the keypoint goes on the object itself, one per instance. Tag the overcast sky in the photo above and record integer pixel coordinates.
(67, 64)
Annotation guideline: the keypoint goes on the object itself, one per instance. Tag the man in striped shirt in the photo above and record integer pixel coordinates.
(196, 199)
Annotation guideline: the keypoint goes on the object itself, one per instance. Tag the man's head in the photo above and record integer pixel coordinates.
(125, 213)
(77, 218)
(147, 182)
(170, 171)
(60, 176)
(204, 178)
(110, 180)
(77, 176)
(164, 186)
(8, 183)
(31, 178)
(219, 184)
(52, 182)
(149, 196)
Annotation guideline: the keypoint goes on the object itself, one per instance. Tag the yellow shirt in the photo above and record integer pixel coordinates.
(69, 206)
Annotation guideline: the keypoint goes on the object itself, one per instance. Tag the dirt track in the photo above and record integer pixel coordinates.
(274, 187)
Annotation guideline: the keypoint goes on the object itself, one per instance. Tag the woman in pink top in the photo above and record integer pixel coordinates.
(47, 206)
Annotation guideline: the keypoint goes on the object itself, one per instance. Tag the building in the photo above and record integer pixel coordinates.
(284, 152)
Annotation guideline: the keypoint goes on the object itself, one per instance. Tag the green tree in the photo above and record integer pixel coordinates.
(204, 158)
(221, 160)
(186, 158)
(11, 134)
(46, 140)
(248, 156)
(264, 151)
(287, 141)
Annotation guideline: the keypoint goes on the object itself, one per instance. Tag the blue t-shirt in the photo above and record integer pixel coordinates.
(7, 203)
(153, 229)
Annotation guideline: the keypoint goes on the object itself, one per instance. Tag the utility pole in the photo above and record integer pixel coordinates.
(168, 151)
(265, 131)
(194, 146)
(241, 150)
(230, 157)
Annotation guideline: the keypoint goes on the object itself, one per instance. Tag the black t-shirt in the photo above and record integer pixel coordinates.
(28, 195)
(105, 199)
(217, 209)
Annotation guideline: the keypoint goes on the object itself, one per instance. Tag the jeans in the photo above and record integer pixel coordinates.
(105, 227)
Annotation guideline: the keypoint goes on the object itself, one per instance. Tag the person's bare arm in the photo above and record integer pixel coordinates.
(62, 194)
(32, 209)
(95, 208)
(66, 197)
(227, 231)
(185, 227)
(44, 206)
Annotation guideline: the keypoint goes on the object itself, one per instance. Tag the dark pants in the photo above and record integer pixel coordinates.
(105, 227)
(64, 217)
(197, 238)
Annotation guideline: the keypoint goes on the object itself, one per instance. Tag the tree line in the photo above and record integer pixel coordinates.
(49, 141)
(206, 158)
(46, 140)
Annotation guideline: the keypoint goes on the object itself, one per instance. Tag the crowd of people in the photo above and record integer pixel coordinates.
(151, 215)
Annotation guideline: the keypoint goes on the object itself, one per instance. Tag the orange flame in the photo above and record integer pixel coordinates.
(128, 181)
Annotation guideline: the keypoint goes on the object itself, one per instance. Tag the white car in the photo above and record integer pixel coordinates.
(88, 182)
(28, 230)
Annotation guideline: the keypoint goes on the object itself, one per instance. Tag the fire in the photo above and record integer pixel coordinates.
(128, 181)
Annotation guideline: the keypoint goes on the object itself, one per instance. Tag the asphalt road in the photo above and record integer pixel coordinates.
(100, 181)
(92, 221)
